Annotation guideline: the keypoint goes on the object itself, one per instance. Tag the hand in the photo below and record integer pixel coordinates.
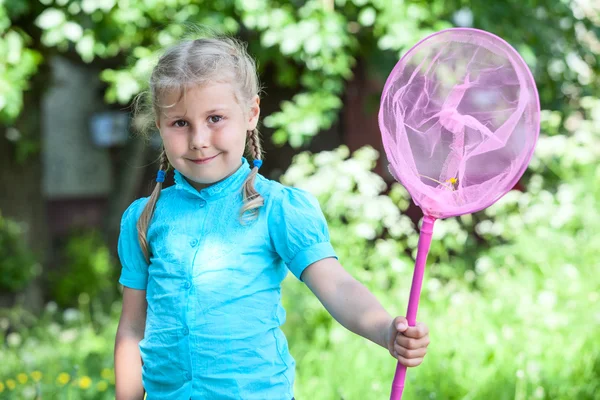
(407, 344)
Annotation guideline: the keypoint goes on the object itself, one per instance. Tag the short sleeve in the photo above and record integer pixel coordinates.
(298, 229)
(134, 272)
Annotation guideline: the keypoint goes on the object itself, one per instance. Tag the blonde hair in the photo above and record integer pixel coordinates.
(192, 63)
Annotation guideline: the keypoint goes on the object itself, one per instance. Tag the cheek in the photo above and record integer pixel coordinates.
(232, 138)
(174, 143)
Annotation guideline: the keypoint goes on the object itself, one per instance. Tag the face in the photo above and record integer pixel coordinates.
(205, 133)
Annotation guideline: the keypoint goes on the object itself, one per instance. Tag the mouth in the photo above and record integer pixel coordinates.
(200, 161)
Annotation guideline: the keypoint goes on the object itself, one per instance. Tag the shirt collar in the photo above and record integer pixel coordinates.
(221, 188)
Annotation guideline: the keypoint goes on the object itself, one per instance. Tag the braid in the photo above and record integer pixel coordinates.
(256, 148)
(252, 199)
(164, 163)
(144, 221)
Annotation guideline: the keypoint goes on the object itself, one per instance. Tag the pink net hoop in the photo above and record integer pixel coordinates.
(459, 118)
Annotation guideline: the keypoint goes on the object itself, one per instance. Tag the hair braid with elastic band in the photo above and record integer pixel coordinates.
(146, 217)
(252, 199)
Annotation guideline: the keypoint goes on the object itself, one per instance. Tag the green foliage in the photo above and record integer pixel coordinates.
(87, 269)
(18, 265)
(511, 293)
(514, 324)
(60, 354)
(519, 323)
(311, 46)
(18, 63)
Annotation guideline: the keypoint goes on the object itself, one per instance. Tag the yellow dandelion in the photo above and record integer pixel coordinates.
(22, 378)
(85, 382)
(102, 386)
(63, 378)
(36, 376)
(11, 384)
(106, 373)
(452, 180)
(1, 387)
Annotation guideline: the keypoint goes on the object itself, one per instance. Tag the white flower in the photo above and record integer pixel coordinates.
(54, 329)
(14, 339)
(51, 307)
(71, 315)
(398, 265)
(491, 339)
(338, 335)
(483, 265)
(539, 393)
(463, 17)
(433, 285)
(29, 392)
(507, 332)
(365, 231)
(68, 336)
(28, 358)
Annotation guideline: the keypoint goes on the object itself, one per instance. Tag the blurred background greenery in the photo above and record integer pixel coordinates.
(511, 294)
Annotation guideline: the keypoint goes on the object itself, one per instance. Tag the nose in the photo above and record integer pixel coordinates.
(199, 138)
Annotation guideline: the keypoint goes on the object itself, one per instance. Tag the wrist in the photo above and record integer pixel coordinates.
(386, 330)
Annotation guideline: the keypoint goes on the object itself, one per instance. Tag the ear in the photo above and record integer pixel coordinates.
(157, 122)
(254, 113)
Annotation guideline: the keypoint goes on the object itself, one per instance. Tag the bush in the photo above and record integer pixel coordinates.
(17, 263)
(60, 355)
(87, 268)
(516, 318)
(519, 321)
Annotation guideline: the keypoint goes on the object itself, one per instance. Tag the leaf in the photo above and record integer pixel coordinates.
(367, 16)
(72, 31)
(50, 18)
(14, 44)
(85, 48)
(313, 45)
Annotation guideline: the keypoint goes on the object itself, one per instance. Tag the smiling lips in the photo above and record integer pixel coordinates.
(203, 160)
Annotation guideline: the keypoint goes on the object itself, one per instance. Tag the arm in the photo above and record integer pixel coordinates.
(128, 362)
(353, 306)
(347, 300)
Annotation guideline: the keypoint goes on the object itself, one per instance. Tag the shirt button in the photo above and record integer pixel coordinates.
(187, 285)
(194, 242)
(202, 204)
(186, 331)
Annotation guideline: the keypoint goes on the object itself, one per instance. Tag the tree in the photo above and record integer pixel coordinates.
(309, 46)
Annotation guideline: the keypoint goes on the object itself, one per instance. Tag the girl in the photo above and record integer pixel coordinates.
(203, 260)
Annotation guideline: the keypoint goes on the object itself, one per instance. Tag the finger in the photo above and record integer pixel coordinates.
(410, 354)
(401, 324)
(413, 362)
(410, 343)
(418, 331)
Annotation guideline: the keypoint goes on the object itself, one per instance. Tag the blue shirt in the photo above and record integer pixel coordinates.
(213, 287)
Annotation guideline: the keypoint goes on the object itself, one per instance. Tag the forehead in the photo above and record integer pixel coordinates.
(200, 98)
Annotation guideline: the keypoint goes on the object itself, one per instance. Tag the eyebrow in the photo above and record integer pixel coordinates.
(183, 116)
(215, 110)
(209, 112)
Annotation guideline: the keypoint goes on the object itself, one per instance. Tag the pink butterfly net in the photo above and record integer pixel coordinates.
(459, 118)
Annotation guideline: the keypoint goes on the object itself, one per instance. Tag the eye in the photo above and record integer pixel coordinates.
(180, 123)
(213, 119)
